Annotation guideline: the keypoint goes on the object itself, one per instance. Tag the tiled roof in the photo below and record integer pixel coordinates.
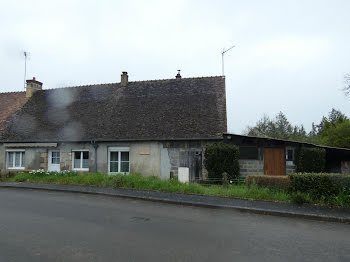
(10, 103)
(187, 108)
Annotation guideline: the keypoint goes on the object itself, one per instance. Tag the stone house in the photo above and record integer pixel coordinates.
(147, 127)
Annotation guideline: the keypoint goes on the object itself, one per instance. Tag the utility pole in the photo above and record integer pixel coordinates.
(222, 58)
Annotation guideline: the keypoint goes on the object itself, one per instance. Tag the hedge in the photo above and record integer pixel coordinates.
(274, 182)
(220, 158)
(310, 160)
(320, 185)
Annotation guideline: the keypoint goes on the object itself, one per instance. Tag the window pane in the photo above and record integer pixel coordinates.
(18, 159)
(77, 155)
(55, 158)
(124, 167)
(113, 167)
(124, 156)
(85, 163)
(114, 156)
(10, 159)
(248, 152)
(77, 163)
(85, 155)
(23, 154)
(290, 155)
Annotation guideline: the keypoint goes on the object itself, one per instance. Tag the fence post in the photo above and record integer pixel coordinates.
(224, 179)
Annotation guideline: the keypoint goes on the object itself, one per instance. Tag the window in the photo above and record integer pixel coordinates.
(118, 160)
(55, 158)
(289, 154)
(249, 152)
(15, 159)
(81, 160)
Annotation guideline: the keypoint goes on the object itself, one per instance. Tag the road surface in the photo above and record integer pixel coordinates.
(57, 226)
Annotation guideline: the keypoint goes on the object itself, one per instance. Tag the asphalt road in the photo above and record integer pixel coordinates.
(53, 226)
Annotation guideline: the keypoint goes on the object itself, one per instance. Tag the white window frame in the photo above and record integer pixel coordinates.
(14, 159)
(81, 159)
(119, 150)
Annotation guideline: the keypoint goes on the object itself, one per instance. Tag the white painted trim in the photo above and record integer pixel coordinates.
(15, 150)
(81, 159)
(119, 150)
(50, 166)
(30, 144)
(14, 159)
(81, 169)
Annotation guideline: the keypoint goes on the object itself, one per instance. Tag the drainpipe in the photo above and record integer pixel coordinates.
(95, 147)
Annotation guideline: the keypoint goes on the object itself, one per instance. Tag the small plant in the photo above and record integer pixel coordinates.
(298, 198)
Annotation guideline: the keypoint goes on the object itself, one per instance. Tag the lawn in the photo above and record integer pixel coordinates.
(134, 181)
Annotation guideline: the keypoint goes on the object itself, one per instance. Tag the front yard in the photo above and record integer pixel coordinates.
(134, 181)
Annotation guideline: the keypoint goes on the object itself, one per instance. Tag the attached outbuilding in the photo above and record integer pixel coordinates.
(269, 156)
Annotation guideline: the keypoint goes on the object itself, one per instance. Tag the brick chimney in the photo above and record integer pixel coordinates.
(124, 79)
(33, 86)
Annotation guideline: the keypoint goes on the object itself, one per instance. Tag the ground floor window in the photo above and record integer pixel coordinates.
(81, 160)
(15, 159)
(249, 152)
(118, 160)
(290, 154)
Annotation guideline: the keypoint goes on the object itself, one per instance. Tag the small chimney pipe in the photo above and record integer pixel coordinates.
(178, 76)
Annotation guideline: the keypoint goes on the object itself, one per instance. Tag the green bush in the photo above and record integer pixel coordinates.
(310, 160)
(320, 185)
(220, 158)
(273, 182)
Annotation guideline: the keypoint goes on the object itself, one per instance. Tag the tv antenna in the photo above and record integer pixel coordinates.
(26, 56)
(222, 58)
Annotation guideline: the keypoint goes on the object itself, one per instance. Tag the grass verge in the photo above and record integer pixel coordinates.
(134, 181)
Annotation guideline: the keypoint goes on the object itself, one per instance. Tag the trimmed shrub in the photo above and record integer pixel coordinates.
(220, 158)
(310, 160)
(273, 182)
(320, 185)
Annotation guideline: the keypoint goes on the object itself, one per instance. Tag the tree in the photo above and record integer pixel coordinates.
(261, 128)
(337, 135)
(279, 128)
(333, 130)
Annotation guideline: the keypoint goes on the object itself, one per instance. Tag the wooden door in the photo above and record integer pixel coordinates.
(274, 162)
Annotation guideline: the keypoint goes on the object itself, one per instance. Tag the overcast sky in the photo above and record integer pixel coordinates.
(290, 56)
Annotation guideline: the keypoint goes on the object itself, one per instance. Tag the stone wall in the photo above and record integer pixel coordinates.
(251, 167)
(43, 160)
(66, 161)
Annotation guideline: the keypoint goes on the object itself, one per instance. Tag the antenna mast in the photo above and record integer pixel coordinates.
(222, 58)
(26, 54)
